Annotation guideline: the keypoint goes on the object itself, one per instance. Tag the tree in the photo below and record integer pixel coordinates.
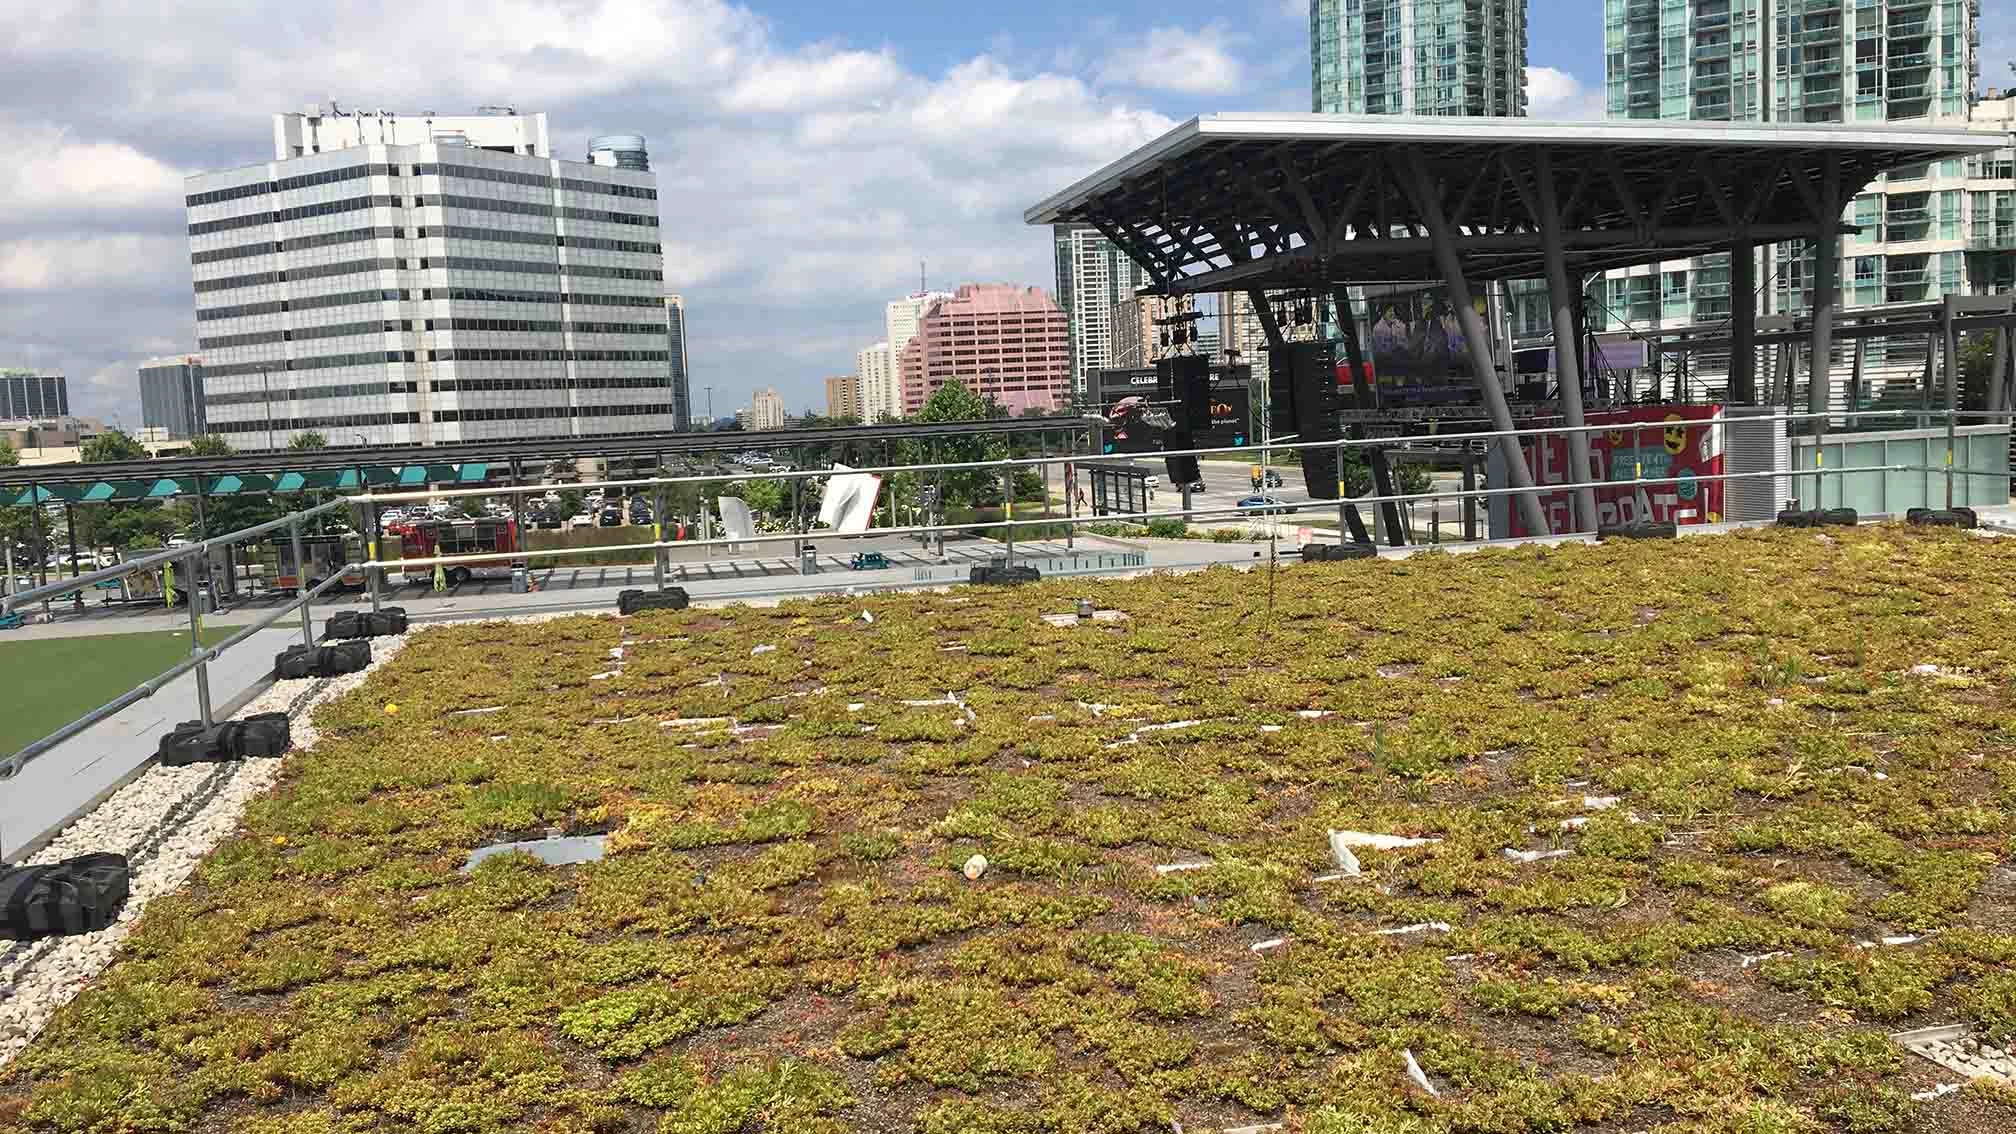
(112, 445)
(764, 497)
(954, 402)
(308, 440)
(209, 445)
(572, 501)
(9, 456)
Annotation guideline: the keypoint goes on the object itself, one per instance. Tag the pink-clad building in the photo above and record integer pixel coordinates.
(1011, 344)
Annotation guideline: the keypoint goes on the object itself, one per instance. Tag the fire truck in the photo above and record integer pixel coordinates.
(428, 539)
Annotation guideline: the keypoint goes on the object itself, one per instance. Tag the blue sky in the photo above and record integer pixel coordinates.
(808, 154)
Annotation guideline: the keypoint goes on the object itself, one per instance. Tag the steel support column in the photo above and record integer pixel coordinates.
(1367, 398)
(1354, 351)
(1947, 311)
(1826, 265)
(1996, 372)
(1477, 339)
(1269, 326)
(1562, 302)
(1860, 357)
(1743, 322)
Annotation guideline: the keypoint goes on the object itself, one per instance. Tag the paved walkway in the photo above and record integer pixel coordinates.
(68, 780)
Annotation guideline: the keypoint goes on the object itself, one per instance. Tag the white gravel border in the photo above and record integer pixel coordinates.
(167, 820)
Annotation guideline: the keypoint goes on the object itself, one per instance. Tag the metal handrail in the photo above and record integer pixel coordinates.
(199, 657)
(1078, 458)
(1229, 512)
(120, 570)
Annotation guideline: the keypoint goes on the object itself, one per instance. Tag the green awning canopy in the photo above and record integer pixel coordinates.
(232, 484)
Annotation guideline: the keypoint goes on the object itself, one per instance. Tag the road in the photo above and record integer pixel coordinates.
(1226, 483)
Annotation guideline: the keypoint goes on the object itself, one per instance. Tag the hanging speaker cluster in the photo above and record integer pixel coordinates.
(1302, 387)
(1186, 379)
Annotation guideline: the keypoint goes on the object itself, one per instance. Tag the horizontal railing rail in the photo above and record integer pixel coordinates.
(1072, 521)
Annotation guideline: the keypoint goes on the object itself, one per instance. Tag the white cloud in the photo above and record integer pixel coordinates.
(798, 186)
(1178, 59)
(1556, 94)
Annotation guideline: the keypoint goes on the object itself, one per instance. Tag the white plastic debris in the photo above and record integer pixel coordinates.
(1419, 1076)
(867, 617)
(602, 676)
(1925, 669)
(1753, 962)
(616, 652)
(1270, 943)
(1340, 850)
(1536, 855)
(1179, 867)
(762, 650)
(1373, 841)
(1599, 802)
(1938, 1091)
(1575, 824)
(975, 867)
(856, 706)
(1417, 927)
(477, 712)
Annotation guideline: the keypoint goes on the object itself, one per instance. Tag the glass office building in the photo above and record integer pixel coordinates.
(1456, 57)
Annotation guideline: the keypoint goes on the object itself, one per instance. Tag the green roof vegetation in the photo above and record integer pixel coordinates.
(1764, 754)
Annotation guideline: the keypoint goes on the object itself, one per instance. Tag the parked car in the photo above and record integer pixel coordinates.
(1196, 486)
(612, 517)
(1272, 479)
(582, 520)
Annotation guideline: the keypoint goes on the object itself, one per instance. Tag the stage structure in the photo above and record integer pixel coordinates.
(1322, 203)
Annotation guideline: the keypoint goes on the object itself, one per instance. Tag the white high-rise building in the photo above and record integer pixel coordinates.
(903, 316)
(419, 279)
(1093, 275)
(875, 367)
(766, 409)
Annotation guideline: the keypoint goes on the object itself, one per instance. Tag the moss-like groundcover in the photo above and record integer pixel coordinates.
(1810, 740)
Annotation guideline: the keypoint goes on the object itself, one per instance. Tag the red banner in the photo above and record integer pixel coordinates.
(1642, 443)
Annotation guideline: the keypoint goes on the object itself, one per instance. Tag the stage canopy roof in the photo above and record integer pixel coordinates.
(1312, 200)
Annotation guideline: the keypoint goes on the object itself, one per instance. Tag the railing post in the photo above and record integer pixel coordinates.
(1008, 506)
(1951, 414)
(301, 585)
(375, 576)
(195, 598)
(1343, 497)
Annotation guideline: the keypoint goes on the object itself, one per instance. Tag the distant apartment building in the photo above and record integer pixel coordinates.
(1460, 57)
(901, 316)
(27, 395)
(1093, 276)
(1006, 343)
(171, 397)
(766, 410)
(1142, 330)
(418, 279)
(843, 396)
(1926, 230)
(875, 371)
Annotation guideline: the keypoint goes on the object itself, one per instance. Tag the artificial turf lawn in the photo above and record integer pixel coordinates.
(46, 683)
(782, 939)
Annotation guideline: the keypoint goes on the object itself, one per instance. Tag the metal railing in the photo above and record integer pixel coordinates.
(1074, 464)
(200, 656)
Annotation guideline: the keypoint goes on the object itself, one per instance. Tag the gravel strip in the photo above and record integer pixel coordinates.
(166, 821)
